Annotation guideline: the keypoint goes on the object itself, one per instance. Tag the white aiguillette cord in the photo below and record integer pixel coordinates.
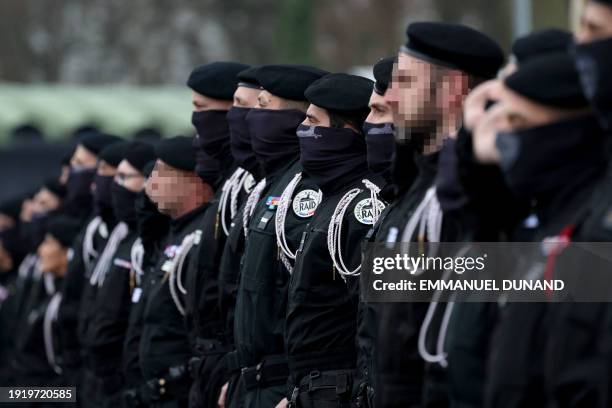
(104, 261)
(137, 256)
(175, 281)
(227, 193)
(334, 230)
(49, 318)
(250, 205)
(279, 221)
(88, 249)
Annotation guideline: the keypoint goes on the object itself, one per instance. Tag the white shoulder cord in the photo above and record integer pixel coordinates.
(49, 318)
(226, 192)
(26, 265)
(440, 356)
(236, 191)
(104, 261)
(250, 205)
(136, 256)
(279, 221)
(427, 217)
(334, 230)
(48, 281)
(175, 280)
(88, 249)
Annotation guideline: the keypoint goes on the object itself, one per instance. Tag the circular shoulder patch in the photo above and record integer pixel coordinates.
(305, 203)
(364, 210)
(249, 183)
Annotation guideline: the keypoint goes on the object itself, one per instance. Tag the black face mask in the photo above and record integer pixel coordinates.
(124, 204)
(332, 156)
(152, 225)
(594, 62)
(381, 147)
(208, 168)
(449, 187)
(33, 232)
(79, 199)
(240, 140)
(213, 133)
(542, 160)
(273, 136)
(102, 194)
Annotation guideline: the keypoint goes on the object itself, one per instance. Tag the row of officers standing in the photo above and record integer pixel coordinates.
(223, 269)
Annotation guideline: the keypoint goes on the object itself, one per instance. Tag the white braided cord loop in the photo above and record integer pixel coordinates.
(250, 205)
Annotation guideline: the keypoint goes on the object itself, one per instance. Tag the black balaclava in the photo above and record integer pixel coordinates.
(381, 148)
(332, 156)
(124, 204)
(103, 205)
(240, 139)
(79, 199)
(273, 136)
(213, 136)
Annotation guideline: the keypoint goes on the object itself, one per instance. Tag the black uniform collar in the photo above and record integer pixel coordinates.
(184, 220)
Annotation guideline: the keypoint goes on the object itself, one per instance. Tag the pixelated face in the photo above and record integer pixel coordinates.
(53, 256)
(316, 116)
(130, 178)
(246, 97)
(83, 159)
(266, 100)
(380, 110)
(203, 103)
(45, 201)
(595, 23)
(412, 92)
(169, 187)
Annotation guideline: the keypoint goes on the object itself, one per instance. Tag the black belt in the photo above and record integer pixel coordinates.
(336, 360)
(272, 370)
(327, 385)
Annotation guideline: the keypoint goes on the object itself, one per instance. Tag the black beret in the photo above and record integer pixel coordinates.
(541, 42)
(177, 152)
(288, 81)
(340, 92)
(114, 153)
(138, 154)
(247, 78)
(382, 73)
(12, 207)
(550, 80)
(95, 142)
(454, 46)
(55, 187)
(64, 229)
(216, 80)
(148, 169)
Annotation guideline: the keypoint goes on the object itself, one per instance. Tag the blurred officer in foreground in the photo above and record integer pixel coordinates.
(264, 273)
(111, 305)
(165, 349)
(324, 287)
(437, 68)
(91, 239)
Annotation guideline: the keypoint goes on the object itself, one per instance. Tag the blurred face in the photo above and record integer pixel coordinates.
(129, 177)
(203, 103)
(265, 100)
(246, 97)
(380, 110)
(53, 256)
(595, 23)
(83, 158)
(45, 201)
(411, 94)
(27, 208)
(169, 188)
(316, 116)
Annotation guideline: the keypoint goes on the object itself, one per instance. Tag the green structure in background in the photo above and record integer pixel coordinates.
(57, 111)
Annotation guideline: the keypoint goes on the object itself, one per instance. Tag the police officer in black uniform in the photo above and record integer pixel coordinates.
(440, 63)
(323, 289)
(275, 220)
(108, 323)
(165, 349)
